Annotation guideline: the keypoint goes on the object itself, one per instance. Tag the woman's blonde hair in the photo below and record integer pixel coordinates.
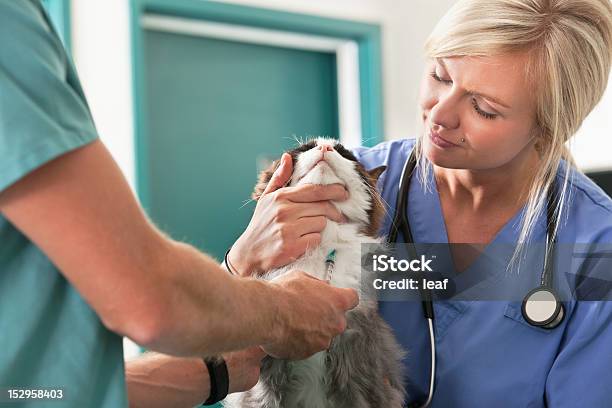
(570, 46)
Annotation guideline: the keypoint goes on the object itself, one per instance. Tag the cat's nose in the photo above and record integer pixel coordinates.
(326, 148)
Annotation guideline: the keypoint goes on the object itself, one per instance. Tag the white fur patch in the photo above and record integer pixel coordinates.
(335, 169)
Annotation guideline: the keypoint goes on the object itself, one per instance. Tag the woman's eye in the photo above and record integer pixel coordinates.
(435, 76)
(484, 114)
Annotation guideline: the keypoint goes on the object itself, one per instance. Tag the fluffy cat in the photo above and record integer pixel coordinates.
(362, 368)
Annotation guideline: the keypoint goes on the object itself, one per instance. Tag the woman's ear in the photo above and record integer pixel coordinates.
(539, 139)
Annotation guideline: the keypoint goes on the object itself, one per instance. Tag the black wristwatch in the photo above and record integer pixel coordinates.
(219, 380)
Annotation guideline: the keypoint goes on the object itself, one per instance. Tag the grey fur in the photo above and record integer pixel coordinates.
(357, 365)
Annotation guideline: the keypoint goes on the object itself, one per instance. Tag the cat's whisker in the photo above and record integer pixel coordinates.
(383, 202)
(293, 138)
(376, 196)
(246, 202)
(368, 139)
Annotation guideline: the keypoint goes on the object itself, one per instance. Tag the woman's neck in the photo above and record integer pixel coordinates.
(481, 191)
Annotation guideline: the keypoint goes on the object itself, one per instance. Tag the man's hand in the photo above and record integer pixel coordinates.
(312, 314)
(286, 221)
(243, 368)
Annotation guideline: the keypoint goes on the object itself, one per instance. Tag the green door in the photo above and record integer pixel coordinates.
(216, 112)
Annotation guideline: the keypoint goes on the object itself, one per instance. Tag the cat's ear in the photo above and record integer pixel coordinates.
(375, 173)
(264, 179)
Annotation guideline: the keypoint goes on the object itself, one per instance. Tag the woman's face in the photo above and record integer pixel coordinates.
(487, 102)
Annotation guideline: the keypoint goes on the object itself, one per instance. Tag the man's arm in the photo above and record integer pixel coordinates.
(162, 294)
(158, 380)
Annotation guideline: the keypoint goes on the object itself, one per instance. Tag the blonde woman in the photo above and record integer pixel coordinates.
(507, 83)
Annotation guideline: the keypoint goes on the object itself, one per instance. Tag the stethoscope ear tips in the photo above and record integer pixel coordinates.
(542, 308)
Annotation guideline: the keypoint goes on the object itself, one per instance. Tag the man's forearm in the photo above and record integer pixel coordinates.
(205, 310)
(157, 380)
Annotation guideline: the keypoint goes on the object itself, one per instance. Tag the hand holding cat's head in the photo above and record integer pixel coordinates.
(325, 161)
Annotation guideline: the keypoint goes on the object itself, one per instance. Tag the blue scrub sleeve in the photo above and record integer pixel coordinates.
(43, 112)
(581, 375)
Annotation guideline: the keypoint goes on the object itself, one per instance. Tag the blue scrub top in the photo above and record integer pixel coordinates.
(487, 354)
(50, 338)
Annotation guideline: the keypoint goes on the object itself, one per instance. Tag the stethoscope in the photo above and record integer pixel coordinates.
(541, 306)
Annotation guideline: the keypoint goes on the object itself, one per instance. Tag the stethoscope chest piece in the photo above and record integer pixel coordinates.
(542, 308)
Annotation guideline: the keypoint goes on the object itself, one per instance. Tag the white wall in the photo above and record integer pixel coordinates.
(592, 144)
(101, 50)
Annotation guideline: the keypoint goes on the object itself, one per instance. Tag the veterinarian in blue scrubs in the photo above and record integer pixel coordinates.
(492, 130)
(505, 86)
(487, 354)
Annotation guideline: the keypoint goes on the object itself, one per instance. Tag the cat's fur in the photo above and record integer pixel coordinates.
(362, 368)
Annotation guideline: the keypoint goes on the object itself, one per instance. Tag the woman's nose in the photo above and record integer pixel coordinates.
(444, 112)
(326, 148)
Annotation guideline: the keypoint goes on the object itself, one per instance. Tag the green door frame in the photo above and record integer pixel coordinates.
(59, 11)
(367, 36)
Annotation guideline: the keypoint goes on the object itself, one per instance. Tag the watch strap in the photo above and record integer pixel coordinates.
(219, 379)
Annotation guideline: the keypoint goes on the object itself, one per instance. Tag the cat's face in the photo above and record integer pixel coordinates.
(326, 161)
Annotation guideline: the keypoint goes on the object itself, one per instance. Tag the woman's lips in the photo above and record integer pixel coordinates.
(439, 141)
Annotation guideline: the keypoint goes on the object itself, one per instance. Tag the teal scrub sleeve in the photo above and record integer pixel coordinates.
(581, 375)
(43, 112)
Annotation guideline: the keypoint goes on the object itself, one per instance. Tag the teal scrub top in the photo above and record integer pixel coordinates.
(49, 336)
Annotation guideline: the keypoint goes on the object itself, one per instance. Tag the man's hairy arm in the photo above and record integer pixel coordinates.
(80, 211)
(158, 380)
